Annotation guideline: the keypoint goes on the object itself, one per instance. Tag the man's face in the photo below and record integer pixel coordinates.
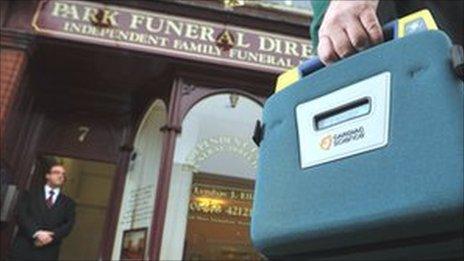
(56, 176)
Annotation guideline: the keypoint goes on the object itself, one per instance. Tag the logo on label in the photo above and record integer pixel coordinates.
(326, 142)
(342, 138)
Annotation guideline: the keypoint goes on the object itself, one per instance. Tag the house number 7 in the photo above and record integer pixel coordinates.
(83, 130)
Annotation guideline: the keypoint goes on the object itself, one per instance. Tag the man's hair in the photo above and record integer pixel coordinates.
(55, 165)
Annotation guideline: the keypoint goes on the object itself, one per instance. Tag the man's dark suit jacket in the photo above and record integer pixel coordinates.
(34, 215)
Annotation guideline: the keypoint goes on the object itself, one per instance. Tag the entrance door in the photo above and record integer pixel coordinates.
(88, 183)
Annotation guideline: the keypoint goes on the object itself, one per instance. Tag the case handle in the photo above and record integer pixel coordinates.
(457, 59)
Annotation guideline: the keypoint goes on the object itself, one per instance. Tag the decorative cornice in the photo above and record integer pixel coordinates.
(253, 16)
(187, 89)
(126, 147)
(17, 40)
(254, 9)
(170, 127)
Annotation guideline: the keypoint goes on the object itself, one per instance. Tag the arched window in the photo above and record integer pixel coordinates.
(138, 200)
(212, 181)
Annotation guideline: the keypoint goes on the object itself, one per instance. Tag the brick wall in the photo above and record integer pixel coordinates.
(12, 64)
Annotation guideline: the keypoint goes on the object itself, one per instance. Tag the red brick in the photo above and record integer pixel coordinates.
(12, 64)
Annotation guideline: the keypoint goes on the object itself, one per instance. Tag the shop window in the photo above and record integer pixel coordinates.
(211, 191)
(134, 223)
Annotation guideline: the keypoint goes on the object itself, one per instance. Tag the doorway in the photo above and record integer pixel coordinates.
(88, 183)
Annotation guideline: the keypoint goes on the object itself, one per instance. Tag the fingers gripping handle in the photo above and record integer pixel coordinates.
(413, 23)
(313, 64)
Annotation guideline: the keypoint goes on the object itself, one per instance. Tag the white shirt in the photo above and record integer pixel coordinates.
(47, 192)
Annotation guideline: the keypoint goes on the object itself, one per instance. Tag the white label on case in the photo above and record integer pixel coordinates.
(346, 122)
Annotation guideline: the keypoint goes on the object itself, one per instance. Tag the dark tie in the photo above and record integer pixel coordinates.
(50, 199)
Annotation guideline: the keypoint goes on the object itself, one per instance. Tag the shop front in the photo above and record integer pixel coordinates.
(151, 107)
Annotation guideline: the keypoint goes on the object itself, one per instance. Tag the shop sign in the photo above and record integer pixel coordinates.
(169, 35)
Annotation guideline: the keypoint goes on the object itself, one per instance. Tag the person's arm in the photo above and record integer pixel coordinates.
(25, 221)
(65, 228)
(319, 7)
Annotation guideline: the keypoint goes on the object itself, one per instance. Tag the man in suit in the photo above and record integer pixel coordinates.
(45, 217)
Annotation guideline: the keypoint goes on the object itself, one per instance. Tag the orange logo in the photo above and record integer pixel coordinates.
(326, 142)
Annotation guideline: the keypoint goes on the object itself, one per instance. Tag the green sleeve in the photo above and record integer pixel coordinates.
(319, 8)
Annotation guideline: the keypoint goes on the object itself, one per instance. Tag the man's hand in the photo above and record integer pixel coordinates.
(38, 243)
(348, 26)
(43, 238)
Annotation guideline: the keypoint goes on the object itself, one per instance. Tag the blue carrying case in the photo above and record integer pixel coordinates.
(365, 156)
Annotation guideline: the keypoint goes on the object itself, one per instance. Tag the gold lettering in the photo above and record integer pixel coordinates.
(278, 45)
(306, 50)
(65, 10)
(123, 35)
(66, 26)
(180, 45)
(207, 34)
(253, 57)
(191, 31)
(233, 195)
(240, 41)
(136, 21)
(266, 44)
(155, 40)
(149, 25)
(109, 17)
(72, 27)
(134, 37)
(176, 28)
(58, 8)
(288, 63)
(87, 29)
(90, 14)
(164, 41)
(290, 48)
